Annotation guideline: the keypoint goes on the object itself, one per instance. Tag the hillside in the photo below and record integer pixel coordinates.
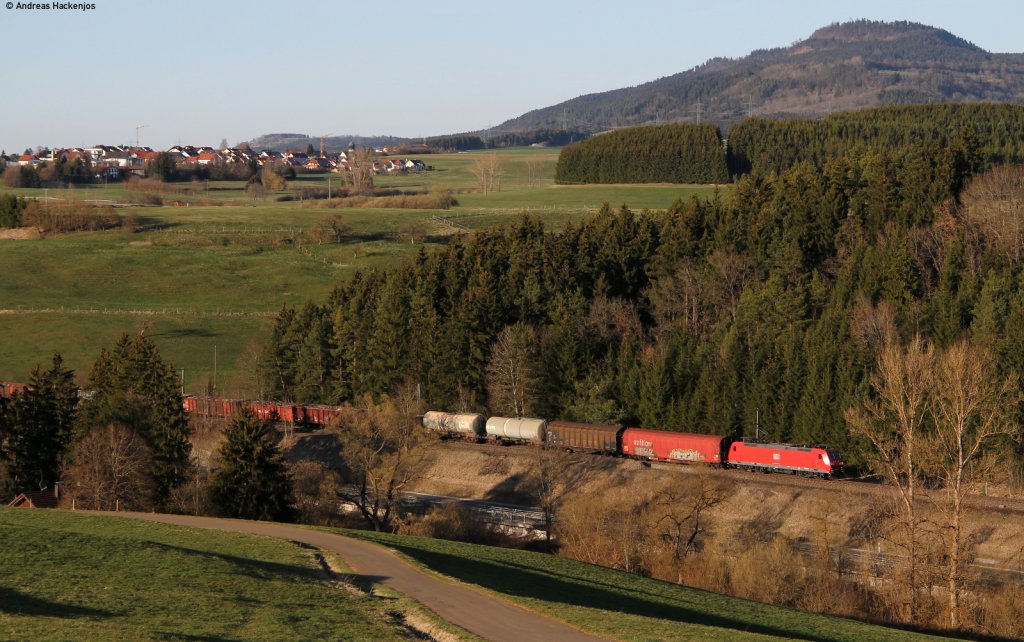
(336, 143)
(838, 68)
(73, 576)
(174, 582)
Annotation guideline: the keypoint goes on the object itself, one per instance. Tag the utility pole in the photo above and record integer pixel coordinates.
(700, 110)
(137, 139)
(757, 424)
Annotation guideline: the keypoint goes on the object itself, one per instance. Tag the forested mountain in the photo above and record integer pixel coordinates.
(839, 68)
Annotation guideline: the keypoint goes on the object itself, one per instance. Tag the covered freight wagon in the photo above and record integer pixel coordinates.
(466, 424)
(811, 460)
(580, 437)
(516, 429)
(660, 445)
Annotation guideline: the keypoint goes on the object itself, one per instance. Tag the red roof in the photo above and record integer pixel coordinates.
(36, 499)
(26, 157)
(207, 156)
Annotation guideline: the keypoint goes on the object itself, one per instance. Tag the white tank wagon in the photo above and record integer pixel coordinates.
(517, 429)
(467, 424)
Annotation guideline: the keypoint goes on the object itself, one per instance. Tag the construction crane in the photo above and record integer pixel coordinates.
(137, 128)
(322, 137)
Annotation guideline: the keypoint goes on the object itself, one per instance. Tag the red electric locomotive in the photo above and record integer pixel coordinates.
(814, 461)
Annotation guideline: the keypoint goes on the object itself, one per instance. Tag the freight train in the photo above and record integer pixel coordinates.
(303, 414)
(640, 443)
(620, 441)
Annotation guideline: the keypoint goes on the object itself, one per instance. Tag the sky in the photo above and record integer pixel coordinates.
(196, 72)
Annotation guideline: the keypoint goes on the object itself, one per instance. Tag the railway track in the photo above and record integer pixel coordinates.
(858, 486)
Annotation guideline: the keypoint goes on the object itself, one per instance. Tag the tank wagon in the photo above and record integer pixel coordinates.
(516, 429)
(466, 425)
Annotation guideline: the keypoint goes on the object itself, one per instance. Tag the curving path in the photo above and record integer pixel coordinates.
(489, 617)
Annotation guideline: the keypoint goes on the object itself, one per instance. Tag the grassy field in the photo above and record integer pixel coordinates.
(620, 605)
(73, 576)
(68, 576)
(210, 273)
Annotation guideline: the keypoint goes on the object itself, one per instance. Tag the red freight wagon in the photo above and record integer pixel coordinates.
(265, 410)
(671, 446)
(321, 415)
(8, 388)
(813, 460)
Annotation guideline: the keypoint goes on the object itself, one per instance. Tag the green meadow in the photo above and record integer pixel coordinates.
(75, 576)
(210, 267)
(71, 576)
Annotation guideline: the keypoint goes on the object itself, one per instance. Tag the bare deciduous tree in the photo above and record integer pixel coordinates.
(970, 406)
(873, 325)
(732, 273)
(556, 476)
(892, 422)
(331, 229)
(534, 168)
(682, 513)
(361, 170)
(512, 376)
(488, 170)
(994, 204)
(110, 470)
(382, 445)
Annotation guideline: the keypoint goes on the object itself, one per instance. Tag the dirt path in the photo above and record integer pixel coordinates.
(475, 611)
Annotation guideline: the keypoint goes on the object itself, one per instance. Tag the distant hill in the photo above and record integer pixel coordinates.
(841, 67)
(298, 142)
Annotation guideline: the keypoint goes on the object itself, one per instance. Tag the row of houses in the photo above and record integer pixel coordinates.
(113, 161)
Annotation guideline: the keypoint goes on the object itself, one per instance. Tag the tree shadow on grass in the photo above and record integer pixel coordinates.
(529, 582)
(16, 603)
(190, 333)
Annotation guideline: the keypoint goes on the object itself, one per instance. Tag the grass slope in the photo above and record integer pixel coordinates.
(624, 606)
(68, 576)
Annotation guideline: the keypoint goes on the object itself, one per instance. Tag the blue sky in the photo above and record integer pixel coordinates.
(195, 72)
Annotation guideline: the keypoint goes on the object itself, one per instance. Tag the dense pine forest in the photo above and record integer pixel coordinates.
(770, 303)
(923, 131)
(655, 154)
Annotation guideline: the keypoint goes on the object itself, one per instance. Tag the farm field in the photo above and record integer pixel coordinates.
(210, 270)
(70, 576)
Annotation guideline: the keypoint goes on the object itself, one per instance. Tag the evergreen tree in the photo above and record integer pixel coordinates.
(36, 427)
(251, 480)
(133, 387)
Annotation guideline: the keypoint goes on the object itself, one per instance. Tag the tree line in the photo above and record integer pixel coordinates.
(991, 130)
(652, 154)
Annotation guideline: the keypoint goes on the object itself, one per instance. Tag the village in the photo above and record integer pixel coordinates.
(116, 162)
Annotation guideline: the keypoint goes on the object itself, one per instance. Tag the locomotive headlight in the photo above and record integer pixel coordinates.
(824, 458)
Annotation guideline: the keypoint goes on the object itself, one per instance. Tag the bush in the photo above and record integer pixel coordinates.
(71, 216)
(11, 208)
(21, 176)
